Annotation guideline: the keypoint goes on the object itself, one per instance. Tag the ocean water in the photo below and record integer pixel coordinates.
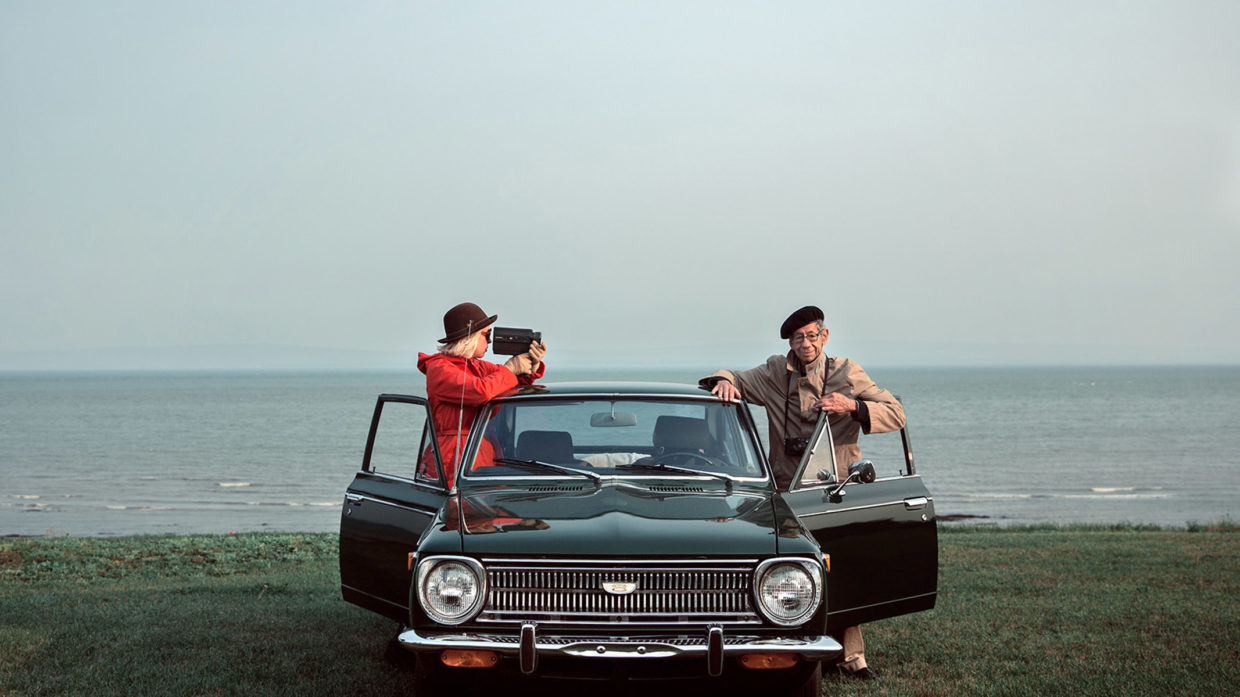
(151, 453)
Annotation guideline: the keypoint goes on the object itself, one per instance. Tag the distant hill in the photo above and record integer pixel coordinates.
(872, 355)
(257, 357)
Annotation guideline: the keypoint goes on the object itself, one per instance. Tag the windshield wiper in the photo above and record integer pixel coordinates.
(546, 467)
(660, 467)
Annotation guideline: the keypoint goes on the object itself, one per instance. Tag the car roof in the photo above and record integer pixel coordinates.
(610, 389)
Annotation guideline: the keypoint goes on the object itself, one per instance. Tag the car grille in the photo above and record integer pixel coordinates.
(687, 592)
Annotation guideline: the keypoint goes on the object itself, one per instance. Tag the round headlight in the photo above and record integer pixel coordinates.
(788, 591)
(450, 590)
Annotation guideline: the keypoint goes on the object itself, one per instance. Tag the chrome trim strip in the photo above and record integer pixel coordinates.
(810, 648)
(372, 596)
(919, 596)
(596, 620)
(895, 477)
(667, 593)
(834, 480)
(670, 563)
(833, 511)
(474, 476)
(414, 481)
(610, 396)
(359, 498)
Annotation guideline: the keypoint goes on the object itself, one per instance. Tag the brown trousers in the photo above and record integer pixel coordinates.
(854, 649)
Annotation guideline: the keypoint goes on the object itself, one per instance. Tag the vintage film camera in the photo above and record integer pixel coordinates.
(795, 446)
(507, 341)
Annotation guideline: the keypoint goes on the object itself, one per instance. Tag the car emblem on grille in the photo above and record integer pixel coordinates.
(619, 587)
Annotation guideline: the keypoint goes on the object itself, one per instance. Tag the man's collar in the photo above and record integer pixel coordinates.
(794, 363)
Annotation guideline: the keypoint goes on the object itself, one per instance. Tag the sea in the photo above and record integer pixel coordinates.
(116, 453)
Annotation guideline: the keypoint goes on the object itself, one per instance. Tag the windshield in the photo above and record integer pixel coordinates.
(629, 437)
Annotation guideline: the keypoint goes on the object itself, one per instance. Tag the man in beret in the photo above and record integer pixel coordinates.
(795, 388)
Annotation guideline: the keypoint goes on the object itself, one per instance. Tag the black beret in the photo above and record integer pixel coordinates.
(799, 319)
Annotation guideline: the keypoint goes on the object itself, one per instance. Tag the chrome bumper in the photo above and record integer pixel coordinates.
(712, 645)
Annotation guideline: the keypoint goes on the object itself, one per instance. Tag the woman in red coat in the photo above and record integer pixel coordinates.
(458, 381)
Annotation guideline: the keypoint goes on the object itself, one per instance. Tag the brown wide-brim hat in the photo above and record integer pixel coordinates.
(463, 320)
(799, 319)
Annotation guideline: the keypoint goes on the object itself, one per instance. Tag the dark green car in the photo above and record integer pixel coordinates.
(626, 532)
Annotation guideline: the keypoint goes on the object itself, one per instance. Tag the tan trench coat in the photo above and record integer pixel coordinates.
(789, 396)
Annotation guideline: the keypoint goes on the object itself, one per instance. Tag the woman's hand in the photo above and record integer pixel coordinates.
(536, 352)
(526, 363)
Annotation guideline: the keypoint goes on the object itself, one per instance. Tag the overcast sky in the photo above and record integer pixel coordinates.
(952, 182)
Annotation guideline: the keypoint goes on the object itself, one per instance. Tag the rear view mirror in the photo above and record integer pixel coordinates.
(613, 419)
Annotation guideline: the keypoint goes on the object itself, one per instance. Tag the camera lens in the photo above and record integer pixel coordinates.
(795, 446)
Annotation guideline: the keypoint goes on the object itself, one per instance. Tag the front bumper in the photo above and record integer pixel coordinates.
(712, 645)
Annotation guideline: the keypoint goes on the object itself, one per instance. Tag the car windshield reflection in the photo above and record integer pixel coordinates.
(617, 437)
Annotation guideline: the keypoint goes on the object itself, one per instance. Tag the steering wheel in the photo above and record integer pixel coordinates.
(687, 454)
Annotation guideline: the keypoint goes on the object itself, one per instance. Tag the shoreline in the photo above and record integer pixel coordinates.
(961, 523)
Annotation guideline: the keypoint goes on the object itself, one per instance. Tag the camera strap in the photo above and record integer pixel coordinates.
(791, 392)
(460, 412)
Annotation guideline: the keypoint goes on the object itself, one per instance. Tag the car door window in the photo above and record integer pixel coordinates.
(390, 501)
(881, 536)
(818, 463)
(400, 439)
(888, 451)
(402, 442)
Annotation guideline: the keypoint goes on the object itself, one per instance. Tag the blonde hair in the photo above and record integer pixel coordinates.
(463, 348)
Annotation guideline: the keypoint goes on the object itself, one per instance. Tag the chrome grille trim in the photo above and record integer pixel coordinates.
(668, 592)
(728, 639)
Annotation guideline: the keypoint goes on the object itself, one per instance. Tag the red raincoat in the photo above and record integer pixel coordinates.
(452, 382)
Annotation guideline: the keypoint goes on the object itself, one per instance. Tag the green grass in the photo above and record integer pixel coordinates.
(247, 614)
(1102, 610)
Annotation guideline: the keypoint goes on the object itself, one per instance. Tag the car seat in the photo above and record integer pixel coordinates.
(555, 447)
(680, 434)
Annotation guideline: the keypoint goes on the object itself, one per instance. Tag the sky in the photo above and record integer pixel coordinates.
(953, 183)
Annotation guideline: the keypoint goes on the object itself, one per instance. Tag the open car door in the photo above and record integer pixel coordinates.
(880, 535)
(388, 505)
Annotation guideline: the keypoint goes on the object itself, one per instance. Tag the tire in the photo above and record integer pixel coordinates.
(398, 656)
(426, 678)
(812, 687)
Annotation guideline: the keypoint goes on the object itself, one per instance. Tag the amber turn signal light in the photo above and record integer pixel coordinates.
(826, 559)
(768, 661)
(456, 658)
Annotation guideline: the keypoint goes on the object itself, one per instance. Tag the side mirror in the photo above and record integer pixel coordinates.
(864, 469)
(861, 472)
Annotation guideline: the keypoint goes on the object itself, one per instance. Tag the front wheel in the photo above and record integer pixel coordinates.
(426, 677)
(812, 687)
(396, 655)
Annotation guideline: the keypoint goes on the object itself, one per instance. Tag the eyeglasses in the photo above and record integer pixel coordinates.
(810, 337)
(486, 336)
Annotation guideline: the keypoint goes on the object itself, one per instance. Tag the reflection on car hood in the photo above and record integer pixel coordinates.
(663, 517)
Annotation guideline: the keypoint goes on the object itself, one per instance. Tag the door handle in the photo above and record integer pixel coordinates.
(353, 499)
(916, 504)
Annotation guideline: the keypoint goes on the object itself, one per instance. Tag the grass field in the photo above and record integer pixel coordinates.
(1033, 611)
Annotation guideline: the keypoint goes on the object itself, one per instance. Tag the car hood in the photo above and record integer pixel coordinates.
(617, 518)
